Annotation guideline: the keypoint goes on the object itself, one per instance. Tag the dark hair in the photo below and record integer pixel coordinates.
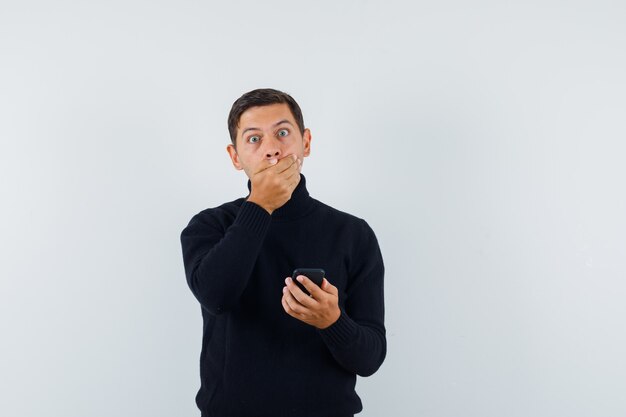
(261, 97)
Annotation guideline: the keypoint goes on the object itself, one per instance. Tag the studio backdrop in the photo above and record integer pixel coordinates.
(483, 142)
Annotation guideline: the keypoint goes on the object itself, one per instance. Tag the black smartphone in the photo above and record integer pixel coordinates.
(314, 274)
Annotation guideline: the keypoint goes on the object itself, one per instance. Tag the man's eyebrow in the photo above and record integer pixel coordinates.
(275, 124)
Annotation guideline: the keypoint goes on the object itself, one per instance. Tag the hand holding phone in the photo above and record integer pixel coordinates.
(320, 312)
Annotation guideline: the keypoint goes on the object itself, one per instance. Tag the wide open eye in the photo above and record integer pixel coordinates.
(283, 132)
(254, 139)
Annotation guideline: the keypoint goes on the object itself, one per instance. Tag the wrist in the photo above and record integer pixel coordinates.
(260, 204)
(332, 320)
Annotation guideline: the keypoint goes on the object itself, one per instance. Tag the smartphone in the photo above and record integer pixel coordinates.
(314, 274)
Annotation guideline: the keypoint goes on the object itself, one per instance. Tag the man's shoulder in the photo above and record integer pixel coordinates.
(342, 217)
(223, 214)
(230, 207)
(360, 235)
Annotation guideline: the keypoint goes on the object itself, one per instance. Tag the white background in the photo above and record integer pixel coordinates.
(484, 142)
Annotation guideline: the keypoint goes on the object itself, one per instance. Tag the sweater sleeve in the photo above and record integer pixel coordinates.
(357, 339)
(218, 264)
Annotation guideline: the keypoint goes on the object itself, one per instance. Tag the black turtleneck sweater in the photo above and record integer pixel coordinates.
(256, 360)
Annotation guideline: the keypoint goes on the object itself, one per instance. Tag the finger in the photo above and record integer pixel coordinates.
(329, 288)
(283, 301)
(293, 181)
(298, 294)
(293, 304)
(287, 162)
(286, 307)
(292, 175)
(265, 164)
(292, 172)
(311, 287)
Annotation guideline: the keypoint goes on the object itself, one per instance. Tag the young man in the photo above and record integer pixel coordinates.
(269, 349)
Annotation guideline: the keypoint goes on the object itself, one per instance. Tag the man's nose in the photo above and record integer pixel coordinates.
(272, 149)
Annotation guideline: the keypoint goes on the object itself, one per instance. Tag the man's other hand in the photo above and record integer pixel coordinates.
(320, 309)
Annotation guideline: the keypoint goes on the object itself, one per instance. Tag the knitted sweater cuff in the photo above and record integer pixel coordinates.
(341, 333)
(253, 217)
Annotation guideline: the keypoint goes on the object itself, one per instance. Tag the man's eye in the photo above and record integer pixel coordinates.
(283, 132)
(253, 139)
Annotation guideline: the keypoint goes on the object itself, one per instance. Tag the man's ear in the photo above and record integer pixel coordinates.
(234, 157)
(306, 139)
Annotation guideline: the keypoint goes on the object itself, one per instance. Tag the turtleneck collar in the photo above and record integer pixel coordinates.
(297, 206)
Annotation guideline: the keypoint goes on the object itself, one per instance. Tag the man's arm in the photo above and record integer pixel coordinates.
(357, 339)
(355, 335)
(217, 264)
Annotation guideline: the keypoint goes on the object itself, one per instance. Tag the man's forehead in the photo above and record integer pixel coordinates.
(265, 116)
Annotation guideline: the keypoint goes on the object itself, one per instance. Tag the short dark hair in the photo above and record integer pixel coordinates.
(261, 97)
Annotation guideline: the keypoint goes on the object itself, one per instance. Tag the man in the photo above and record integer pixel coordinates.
(269, 349)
